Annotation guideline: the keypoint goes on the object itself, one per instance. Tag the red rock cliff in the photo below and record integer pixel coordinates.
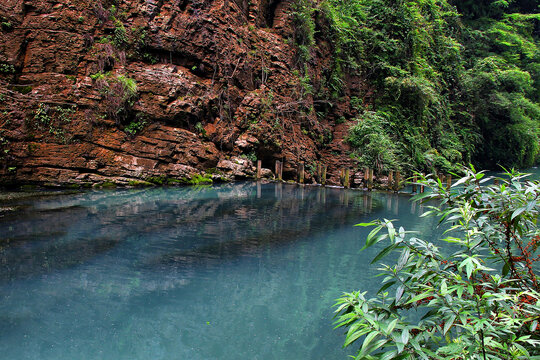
(122, 90)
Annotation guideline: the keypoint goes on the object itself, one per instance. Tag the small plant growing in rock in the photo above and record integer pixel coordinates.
(4, 145)
(135, 126)
(6, 25)
(200, 129)
(41, 115)
(51, 120)
(120, 39)
(7, 69)
(119, 94)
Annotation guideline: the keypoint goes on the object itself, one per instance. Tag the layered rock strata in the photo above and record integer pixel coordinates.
(118, 91)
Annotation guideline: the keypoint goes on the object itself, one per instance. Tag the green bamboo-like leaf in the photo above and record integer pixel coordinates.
(405, 336)
(383, 253)
(400, 346)
(372, 238)
(505, 269)
(385, 286)
(355, 336)
(365, 345)
(429, 314)
(420, 297)
(399, 292)
(389, 355)
(517, 212)
(373, 223)
(444, 287)
(421, 196)
(448, 323)
(460, 292)
(469, 268)
(460, 181)
(392, 326)
(403, 258)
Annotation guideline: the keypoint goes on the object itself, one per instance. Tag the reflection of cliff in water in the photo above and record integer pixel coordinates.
(168, 228)
(239, 271)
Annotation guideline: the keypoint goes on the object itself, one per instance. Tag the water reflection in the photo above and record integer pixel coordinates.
(235, 271)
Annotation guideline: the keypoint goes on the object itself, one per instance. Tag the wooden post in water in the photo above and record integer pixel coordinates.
(414, 186)
(259, 166)
(323, 176)
(391, 179)
(448, 181)
(276, 174)
(370, 181)
(318, 175)
(347, 179)
(366, 177)
(301, 173)
(398, 179)
(421, 188)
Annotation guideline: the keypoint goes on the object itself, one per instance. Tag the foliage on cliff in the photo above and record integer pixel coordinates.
(455, 81)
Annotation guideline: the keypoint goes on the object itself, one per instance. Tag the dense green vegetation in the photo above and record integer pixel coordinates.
(448, 82)
(475, 297)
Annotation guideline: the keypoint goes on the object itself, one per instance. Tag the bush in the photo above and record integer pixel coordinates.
(480, 302)
(372, 145)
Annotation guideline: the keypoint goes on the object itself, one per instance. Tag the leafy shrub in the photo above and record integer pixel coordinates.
(373, 147)
(480, 302)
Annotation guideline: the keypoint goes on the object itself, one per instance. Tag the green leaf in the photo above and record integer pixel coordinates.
(505, 269)
(429, 313)
(403, 258)
(420, 297)
(365, 345)
(384, 252)
(405, 336)
(399, 292)
(367, 224)
(448, 323)
(392, 325)
(372, 238)
(355, 335)
(400, 346)
(421, 196)
(389, 355)
(460, 181)
(517, 212)
(385, 286)
(444, 288)
(460, 291)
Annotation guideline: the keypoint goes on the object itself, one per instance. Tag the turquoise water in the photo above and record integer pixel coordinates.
(237, 271)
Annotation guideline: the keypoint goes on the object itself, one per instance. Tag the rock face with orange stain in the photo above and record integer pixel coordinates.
(100, 91)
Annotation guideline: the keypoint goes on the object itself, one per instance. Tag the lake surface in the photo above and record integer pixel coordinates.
(235, 271)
